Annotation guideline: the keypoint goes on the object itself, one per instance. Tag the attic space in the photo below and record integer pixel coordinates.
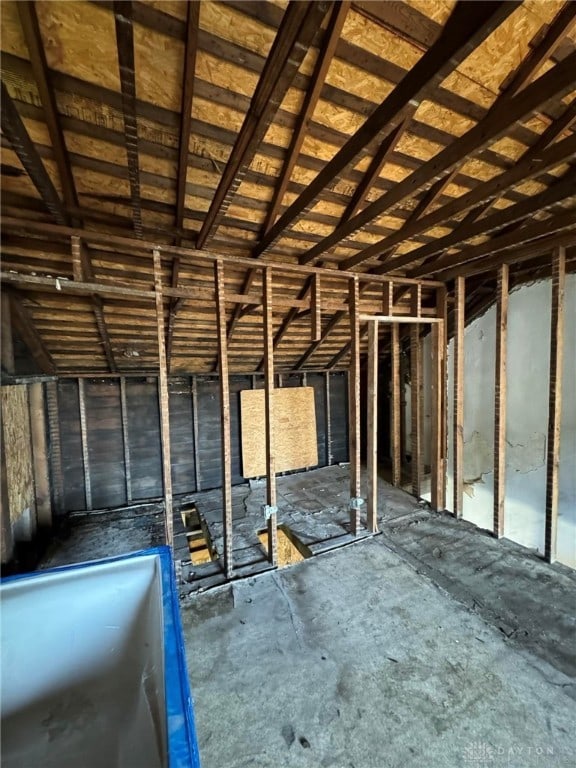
(288, 383)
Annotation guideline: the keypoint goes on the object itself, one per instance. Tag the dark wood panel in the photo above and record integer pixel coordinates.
(339, 416)
(71, 446)
(181, 435)
(144, 438)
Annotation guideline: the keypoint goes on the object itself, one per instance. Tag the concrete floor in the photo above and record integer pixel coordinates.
(354, 659)
(432, 644)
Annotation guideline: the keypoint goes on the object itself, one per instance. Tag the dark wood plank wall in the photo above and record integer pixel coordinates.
(106, 456)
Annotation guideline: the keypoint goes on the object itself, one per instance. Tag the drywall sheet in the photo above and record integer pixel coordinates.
(295, 444)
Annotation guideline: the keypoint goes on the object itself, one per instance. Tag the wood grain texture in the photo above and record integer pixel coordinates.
(500, 392)
(18, 451)
(295, 445)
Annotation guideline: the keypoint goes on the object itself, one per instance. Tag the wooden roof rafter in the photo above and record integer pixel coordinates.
(126, 64)
(299, 25)
(190, 50)
(467, 27)
(15, 131)
(555, 83)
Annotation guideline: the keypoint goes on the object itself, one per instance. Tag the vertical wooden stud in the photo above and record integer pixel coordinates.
(6, 343)
(196, 435)
(442, 312)
(40, 455)
(396, 409)
(416, 300)
(271, 509)
(500, 401)
(416, 407)
(55, 446)
(84, 439)
(458, 405)
(372, 448)
(6, 536)
(555, 401)
(354, 404)
(438, 478)
(328, 416)
(77, 271)
(316, 308)
(224, 414)
(388, 299)
(125, 439)
(163, 401)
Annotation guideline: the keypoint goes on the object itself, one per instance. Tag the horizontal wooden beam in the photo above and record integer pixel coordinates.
(130, 245)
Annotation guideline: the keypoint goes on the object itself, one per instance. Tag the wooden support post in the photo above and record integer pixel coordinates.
(416, 407)
(224, 415)
(388, 298)
(500, 401)
(196, 435)
(163, 401)
(438, 478)
(555, 401)
(328, 416)
(442, 312)
(6, 536)
(372, 448)
(271, 509)
(125, 439)
(396, 410)
(84, 439)
(55, 446)
(40, 455)
(7, 344)
(416, 300)
(354, 405)
(77, 271)
(316, 308)
(458, 405)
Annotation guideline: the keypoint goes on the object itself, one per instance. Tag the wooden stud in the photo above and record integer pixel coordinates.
(438, 478)
(40, 455)
(316, 308)
(500, 401)
(196, 436)
(56, 473)
(442, 312)
(6, 536)
(272, 516)
(458, 405)
(84, 440)
(354, 405)
(328, 416)
(125, 439)
(396, 410)
(224, 415)
(372, 448)
(416, 300)
(163, 401)
(388, 298)
(7, 342)
(555, 402)
(416, 407)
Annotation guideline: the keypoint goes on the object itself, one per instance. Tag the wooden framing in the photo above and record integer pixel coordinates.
(500, 390)
(84, 441)
(555, 402)
(163, 401)
(417, 410)
(271, 508)
(6, 342)
(458, 404)
(125, 439)
(328, 416)
(196, 435)
(354, 406)
(55, 446)
(372, 444)
(316, 308)
(396, 407)
(40, 455)
(438, 478)
(224, 417)
(125, 47)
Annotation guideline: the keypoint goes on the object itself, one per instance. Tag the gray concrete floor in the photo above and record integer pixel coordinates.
(355, 659)
(432, 644)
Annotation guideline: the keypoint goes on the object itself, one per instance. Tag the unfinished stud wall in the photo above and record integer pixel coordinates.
(527, 420)
(111, 455)
(19, 473)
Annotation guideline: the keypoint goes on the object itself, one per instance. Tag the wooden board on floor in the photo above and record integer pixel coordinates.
(295, 444)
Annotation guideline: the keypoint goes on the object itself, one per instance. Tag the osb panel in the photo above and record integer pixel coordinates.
(236, 27)
(18, 450)
(80, 40)
(295, 443)
(372, 37)
(158, 65)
